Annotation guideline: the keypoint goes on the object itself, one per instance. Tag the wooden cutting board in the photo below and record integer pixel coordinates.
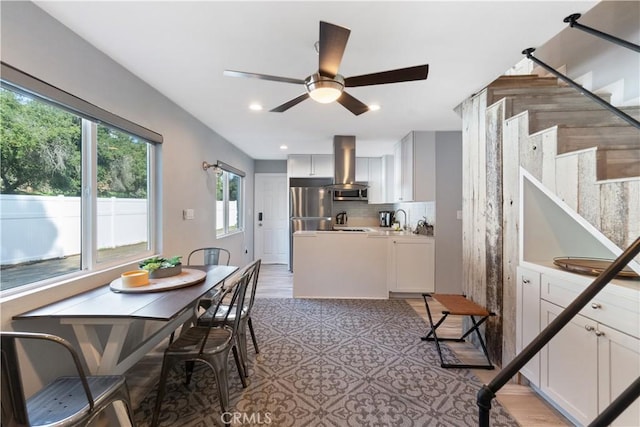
(187, 277)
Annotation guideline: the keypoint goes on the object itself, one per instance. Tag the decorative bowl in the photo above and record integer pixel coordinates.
(166, 272)
(135, 278)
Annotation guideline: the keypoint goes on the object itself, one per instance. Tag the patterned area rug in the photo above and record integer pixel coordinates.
(332, 363)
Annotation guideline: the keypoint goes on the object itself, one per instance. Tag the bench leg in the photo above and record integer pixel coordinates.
(431, 336)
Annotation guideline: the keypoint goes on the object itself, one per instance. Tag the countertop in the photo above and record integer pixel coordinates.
(371, 231)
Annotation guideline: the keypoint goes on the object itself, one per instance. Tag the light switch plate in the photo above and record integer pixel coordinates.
(458, 214)
(188, 214)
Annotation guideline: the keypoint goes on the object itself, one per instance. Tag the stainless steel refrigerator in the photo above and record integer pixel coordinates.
(310, 204)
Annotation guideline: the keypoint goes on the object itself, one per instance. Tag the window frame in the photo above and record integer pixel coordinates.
(17, 81)
(223, 172)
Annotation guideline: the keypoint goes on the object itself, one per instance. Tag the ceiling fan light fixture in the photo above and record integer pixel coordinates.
(324, 89)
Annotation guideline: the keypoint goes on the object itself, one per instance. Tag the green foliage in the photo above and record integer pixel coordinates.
(41, 152)
(154, 263)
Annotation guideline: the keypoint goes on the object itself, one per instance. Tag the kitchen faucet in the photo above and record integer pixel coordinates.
(404, 227)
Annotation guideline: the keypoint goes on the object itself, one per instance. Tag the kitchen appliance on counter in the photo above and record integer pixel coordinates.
(310, 204)
(386, 218)
(341, 218)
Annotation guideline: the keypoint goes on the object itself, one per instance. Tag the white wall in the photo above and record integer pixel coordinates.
(37, 44)
(598, 63)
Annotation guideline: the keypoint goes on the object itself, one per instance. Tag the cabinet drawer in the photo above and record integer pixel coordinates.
(609, 308)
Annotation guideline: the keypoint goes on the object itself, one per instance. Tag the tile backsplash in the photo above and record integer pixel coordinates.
(364, 214)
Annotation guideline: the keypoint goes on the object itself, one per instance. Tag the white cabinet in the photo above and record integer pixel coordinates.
(310, 165)
(411, 264)
(387, 177)
(362, 169)
(528, 319)
(415, 168)
(618, 363)
(595, 356)
(570, 364)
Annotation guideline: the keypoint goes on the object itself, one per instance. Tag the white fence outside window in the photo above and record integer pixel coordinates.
(34, 228)
(43, 227)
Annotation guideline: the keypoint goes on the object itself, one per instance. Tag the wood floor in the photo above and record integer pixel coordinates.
(275, 281)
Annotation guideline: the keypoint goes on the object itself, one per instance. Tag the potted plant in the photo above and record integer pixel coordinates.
(159, 267)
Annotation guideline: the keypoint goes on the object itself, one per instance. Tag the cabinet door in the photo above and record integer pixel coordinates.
(322, 165)
(362, 169)
(412, 265)
(528, 319)
(299, 165)
(569, 365)
(387, 179)
(375, 190)
(407, 169)
(397, 172)
(619, 365)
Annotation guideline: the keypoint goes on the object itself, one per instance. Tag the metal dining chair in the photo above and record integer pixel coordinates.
(67, 401)
(211, 256)
(225, 314)
(209, 344)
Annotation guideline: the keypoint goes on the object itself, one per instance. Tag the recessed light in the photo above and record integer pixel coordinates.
(255, 107)
(374, 107)
(283, 147)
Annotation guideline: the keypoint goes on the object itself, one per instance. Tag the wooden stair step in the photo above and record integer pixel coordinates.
(603, 137)
(494, 95)
(521, 80)
(539, 120)
(618, 164)
(559, 103)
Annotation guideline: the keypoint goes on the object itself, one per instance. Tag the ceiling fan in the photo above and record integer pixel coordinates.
(327, 85)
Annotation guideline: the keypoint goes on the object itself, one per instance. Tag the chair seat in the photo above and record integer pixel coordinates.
(191, 340)
(64, 400)
(221, 313)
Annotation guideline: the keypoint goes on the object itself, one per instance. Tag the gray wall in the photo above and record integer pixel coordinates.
(583, 53)
(39, 45)
(448, 230)
(270, 166)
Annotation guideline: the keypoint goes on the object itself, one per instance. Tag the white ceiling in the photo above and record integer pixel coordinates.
(181, 49)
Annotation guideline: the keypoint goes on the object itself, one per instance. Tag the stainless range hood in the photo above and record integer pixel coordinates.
(344, 152)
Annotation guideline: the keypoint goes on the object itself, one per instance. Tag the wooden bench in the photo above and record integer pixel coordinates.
(458, 305)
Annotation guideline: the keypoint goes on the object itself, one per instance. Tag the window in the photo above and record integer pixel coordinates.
(76, 185)
(229, 201)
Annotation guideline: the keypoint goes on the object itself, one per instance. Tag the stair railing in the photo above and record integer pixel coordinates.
(572, 20)
(488, 392)
(624, 116)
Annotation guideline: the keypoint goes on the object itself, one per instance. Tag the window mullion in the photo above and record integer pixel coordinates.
(89, 218)
(226, 203)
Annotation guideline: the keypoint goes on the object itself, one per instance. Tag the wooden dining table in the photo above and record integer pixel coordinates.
(135, 322)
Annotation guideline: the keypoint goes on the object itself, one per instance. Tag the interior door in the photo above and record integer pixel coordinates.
(271, 242)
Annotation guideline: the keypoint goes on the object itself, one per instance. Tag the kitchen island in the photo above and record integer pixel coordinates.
(368, 263)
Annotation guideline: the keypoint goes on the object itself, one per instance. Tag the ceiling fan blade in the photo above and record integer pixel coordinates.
(418, 72)
(352, 104)
(289, 104)
(232, 73)
(333, 41)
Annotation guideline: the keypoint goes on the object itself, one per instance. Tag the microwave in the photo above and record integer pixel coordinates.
(352, 194)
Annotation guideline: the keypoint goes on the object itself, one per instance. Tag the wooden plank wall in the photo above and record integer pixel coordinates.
(495, 146)
(482, 212)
